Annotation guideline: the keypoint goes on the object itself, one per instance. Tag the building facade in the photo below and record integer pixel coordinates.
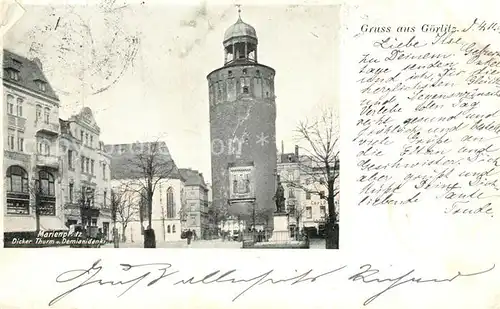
(31, 167)
(305, 191)
(196, 190)
(289, 170)
(169, 213)
(85, 180)
(243, 127)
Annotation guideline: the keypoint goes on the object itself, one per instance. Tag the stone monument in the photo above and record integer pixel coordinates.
(280, 219)
(279, 197)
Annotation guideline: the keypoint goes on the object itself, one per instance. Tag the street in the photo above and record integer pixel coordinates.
(317, 243)
(207, 244)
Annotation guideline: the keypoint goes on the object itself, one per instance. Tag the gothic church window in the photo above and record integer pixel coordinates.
(170, 203)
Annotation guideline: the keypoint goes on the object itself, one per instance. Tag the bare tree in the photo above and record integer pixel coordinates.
(143, 209)
(115, 200)
(124, 207)
(297, 213)
(163, 215)
(262, 215)
(151, 165)
(321, 163)
(218, 214)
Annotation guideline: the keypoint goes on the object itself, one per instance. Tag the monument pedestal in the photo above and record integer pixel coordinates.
(280, 231)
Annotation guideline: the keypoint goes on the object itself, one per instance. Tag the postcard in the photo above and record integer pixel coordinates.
(187, 154)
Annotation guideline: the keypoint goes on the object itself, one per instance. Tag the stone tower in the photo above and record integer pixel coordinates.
(243, 129)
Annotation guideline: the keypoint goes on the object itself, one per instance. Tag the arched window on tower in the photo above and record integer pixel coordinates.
(257, 87)
(219, 91)
(170, 203)
(244, 84)
(168, 228)
(18, 197)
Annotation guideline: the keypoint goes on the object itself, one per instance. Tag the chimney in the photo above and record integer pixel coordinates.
(296, 151)
(282, 147)
(38, 63)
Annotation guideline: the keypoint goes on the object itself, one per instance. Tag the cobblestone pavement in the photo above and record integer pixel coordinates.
(209, 244)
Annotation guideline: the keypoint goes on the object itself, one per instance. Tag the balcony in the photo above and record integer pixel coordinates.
(47, 161)
(47, 128)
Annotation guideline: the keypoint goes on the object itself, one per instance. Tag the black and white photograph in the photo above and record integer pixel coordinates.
(172, 126)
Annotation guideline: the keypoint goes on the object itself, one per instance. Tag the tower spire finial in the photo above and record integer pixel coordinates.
(239, 11)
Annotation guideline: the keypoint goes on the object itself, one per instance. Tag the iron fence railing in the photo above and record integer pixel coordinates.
(281, 239)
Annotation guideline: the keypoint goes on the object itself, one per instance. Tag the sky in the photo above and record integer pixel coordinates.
(142, 68)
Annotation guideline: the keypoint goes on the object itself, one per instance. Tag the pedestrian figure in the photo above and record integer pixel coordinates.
(189, 235)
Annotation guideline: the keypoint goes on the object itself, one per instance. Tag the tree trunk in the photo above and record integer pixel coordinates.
(332, 236)
(141, 216)
(332, 231)
(150, 216)
(124, 238)
(150, 207)
(37, 219)
(149, 235)
(116, 240)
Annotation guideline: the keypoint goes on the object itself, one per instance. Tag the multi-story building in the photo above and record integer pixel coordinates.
(306, 190)
(85, 180)
(31, 168)
(168, 203)
(289, 170)
(243, 128)
(196, 202)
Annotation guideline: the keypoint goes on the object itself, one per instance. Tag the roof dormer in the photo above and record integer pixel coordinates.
(41, 84)
(12, 73)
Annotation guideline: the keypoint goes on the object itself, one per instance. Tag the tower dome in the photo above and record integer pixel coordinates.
(240, 43)
(240, 29)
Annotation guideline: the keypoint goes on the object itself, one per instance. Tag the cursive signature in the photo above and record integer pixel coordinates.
(156, 272)
(88, 278)
(369, 275)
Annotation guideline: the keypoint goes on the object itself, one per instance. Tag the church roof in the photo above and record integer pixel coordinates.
(240, 29)
(124, 159)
